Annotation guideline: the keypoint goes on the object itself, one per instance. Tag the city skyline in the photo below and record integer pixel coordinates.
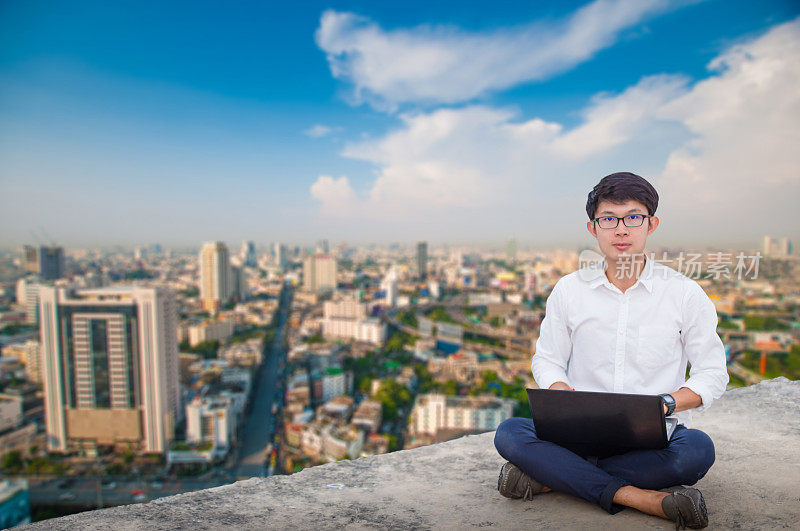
(368, 123)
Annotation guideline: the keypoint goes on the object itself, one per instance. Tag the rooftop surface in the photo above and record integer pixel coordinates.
(452, 485)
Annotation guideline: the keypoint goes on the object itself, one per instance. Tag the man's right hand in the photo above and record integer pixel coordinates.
(561, 386)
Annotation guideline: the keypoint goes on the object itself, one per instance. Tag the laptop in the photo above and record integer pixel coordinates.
(600, 424)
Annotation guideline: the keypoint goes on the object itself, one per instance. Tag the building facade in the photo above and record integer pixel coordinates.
(47, 262)
(215, 275)
(435, 412)
(422, 260)
(110, 367)
(319, 273)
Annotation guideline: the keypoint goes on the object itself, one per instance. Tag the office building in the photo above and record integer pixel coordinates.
(47, 262)
(389, 287)
(238, 283)
(780, 248)
(348, 319)
(110, 367)
(784, 247)
(211, 420)
(248, 254)
(434, 413)
(422, 260)
(210, 331)
(28, 298)
(319, 273)
(215, 275)
(29, 354)
(281, 258)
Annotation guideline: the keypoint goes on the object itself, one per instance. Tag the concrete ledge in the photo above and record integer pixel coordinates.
(754, 484)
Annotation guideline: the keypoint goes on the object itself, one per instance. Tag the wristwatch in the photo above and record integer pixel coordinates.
(669, 401)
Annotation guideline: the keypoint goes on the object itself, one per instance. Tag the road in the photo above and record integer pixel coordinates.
(259, 428)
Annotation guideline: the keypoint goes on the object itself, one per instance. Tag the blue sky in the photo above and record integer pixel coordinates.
(137, 122)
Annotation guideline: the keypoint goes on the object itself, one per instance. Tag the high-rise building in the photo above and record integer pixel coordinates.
(389, 286)
(238, 283)
(28, 298)
(323, 247)
(281, 258)
(211, 420)
(215, 275)
(319, 273)
(47, 262)
(110, 367)
(435, 413)
(785, 247)
(511, 250)
(767, 246)
(780, 248)
(422, 260)
(248, 254)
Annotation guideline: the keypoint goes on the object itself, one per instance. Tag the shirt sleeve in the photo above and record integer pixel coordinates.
(708, 375)
(554, 347)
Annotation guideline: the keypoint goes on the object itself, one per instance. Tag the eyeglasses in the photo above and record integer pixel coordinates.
(611, 222)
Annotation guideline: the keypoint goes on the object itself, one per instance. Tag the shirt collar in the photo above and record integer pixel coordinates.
(595, 275)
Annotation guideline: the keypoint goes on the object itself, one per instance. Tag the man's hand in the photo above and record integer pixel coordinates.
(561, 386)
(685, 399)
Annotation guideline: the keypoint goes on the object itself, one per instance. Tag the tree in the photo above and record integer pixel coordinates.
(393, 396)
(12, 462)
(451, 387)
(128, 456)
(408, 318)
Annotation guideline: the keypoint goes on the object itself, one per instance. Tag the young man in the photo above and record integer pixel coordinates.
(628, 325)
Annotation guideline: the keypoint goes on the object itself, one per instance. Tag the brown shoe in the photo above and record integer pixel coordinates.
(686, 507)
(514, 483)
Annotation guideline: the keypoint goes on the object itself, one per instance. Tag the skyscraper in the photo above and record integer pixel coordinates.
(281, 259)
(248, 254)
(767, 246)
(215, 275)
(47, 262)
(780, 248)
(422, 260)
(389, 285)
(319, 273)
(785, 247)
(28, 298)
(110, 367)
(238, 283)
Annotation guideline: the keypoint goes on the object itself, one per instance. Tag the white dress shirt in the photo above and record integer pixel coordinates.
(594, 337)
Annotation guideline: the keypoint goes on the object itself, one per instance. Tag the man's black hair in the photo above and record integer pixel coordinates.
(621, 187)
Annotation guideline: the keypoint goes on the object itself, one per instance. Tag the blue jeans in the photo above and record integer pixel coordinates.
(686, 459)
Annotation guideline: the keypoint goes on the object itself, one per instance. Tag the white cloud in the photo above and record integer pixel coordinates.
(443, 64)
(719, 150)
(613, 120)
(336, 195)
(742, 166)
(318, 131)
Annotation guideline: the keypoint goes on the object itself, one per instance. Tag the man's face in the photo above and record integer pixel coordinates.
(622, 240)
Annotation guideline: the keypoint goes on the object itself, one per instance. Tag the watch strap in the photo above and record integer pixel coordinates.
(669, 400)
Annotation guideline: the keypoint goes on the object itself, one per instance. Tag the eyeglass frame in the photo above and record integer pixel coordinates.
(644, 217)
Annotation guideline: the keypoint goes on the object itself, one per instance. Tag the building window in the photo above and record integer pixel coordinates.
(99, 340)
